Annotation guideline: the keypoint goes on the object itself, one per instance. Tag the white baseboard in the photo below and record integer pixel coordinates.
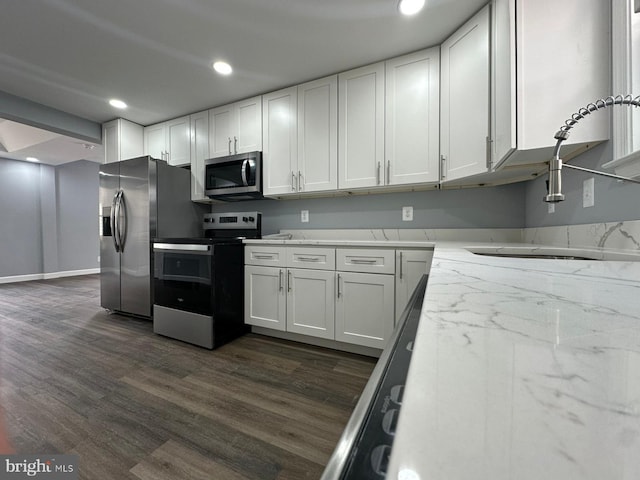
(48, 276)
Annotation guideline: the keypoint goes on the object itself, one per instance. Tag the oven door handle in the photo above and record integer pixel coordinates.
(193, 249)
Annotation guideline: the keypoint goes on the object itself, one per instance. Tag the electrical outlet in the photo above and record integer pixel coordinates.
(304, 216)
(407, 214)
(588, 199)
(551, 207)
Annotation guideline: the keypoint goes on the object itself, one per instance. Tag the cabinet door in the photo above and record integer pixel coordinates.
(221, 121)
(410, 266)
(318, 135)
(122, 139)
(310, 302)
(111, 141)
(465, 99)
(364, 308)
(178, 141)
(154, 141)
(199, 124)
(280, 138)
(130, 139)
(360, 127)
(248, 134)
(265, 299)
(412, 117)
(503, 74)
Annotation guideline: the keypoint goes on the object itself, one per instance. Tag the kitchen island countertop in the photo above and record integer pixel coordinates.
(523, 368)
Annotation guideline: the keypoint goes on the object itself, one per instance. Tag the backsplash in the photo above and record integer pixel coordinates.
(615, 235)
(509, 235)
(624, 235)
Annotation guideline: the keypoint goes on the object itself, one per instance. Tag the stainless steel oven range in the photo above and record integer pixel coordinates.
(199, 282)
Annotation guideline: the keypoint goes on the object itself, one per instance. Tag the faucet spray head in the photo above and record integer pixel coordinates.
(555, 182)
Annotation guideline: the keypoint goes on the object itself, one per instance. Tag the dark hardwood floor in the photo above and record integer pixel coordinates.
(134, 405)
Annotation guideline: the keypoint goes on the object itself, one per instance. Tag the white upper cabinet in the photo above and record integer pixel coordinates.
(280, 142)
(412, 118)
(361, 127)
(236, 128)
(154, 141)
(545, 68)
(465, 100)
(318, 135)
(199, 125)
(220, 136)
(169, 141)
(122, 139)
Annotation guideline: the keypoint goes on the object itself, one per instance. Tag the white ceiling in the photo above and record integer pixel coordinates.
(156, 55)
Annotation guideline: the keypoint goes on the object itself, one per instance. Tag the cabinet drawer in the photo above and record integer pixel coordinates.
(267, 255)
(314, 258)
(365, 260)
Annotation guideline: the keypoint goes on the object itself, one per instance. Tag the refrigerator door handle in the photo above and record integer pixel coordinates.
(114, 231)
(122, 220)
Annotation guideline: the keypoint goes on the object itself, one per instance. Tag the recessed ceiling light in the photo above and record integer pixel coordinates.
(32, 159)
(410, 7)
(117, 103)
(223, 68)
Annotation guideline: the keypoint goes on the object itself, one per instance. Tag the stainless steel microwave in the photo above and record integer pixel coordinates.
(236, 177)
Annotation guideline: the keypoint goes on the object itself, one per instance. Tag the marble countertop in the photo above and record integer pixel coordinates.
(341, 243)
(523, 369)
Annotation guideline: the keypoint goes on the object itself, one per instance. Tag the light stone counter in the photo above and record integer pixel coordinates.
(523, 369)
(343, 243)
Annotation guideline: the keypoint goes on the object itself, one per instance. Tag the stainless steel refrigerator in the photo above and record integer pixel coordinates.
(140, 199)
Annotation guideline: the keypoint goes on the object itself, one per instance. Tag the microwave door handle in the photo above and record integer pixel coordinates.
(245, 179)
(113, 221)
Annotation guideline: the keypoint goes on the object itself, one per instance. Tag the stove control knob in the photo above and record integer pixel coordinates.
(251, 219)
(245, 219)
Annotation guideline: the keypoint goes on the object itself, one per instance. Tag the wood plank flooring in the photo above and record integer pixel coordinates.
(135, 405)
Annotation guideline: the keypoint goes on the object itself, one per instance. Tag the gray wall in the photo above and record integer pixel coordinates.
(20, 231)
(496, 207)
(78, 228)
(613, 200)
(48, 217)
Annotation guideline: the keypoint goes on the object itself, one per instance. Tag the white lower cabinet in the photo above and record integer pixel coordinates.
(265, 298)
(310, 302)
(351, 295)
(410, 266)
(364, 308)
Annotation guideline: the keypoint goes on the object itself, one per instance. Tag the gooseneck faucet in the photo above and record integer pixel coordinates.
(554, 193)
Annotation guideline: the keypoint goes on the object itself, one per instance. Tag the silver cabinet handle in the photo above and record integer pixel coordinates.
(368, 261)
(299, 180)
(309, 259)
(338, 285)
(293, 177)
(229, 138)
(443, 167)
(388, 172)
(264, 257)
(235, 144)
(400, 265)
(378, 174)
(288, 280)
(280, 280)
(489, 141)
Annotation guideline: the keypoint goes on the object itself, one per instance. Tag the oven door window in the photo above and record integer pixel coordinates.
(183, 281)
